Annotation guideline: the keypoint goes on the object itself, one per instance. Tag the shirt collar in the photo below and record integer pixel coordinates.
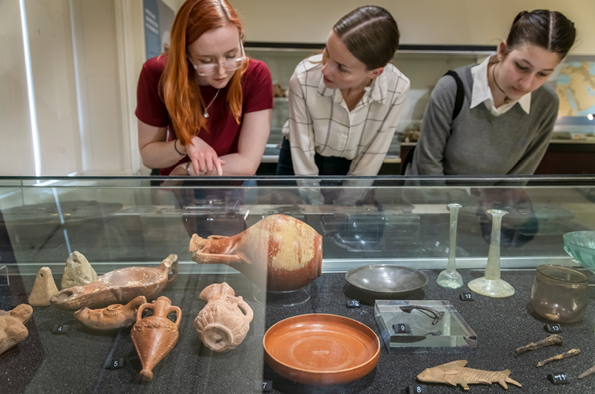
(377, 91)
(481, 90)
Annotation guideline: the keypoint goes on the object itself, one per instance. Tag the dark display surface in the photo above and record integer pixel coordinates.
(76, 361)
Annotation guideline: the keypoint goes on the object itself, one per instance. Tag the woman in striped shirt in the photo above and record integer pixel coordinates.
(344, 104)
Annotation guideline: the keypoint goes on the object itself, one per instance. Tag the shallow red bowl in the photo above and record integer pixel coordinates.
(321, 349)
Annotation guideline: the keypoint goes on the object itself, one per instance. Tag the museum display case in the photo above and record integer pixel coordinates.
(291, 285)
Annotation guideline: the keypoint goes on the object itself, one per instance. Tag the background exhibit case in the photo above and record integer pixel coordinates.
(125, 222)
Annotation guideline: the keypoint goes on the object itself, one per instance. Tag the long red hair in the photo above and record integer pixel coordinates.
(184, 105)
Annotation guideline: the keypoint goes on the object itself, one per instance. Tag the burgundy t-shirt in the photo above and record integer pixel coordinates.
(222, 132)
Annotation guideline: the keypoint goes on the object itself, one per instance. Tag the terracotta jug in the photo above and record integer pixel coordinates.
(224, 322)
(119, 286)
(156, 335)
(279, 252)
(111, 317)
(12, 326)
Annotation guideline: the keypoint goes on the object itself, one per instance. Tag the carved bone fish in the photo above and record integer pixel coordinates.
(454, 373)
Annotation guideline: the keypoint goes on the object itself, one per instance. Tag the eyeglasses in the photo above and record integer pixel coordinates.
(228, 64)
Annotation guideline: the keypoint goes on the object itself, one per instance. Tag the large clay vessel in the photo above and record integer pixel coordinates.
(78, 271)
(156, 335)
(43, 288)
(224, 322)
(119, 286)
(111, 317)
(279, 252)
(12, 326)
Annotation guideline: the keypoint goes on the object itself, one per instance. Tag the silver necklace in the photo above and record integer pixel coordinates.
(206, 114)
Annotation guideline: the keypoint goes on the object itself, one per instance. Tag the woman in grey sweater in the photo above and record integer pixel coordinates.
(507, 113)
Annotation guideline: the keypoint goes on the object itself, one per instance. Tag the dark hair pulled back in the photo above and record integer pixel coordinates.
(550, 30)
(371, 34)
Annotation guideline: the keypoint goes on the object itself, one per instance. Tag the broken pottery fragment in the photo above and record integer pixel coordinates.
(111, 317)
(12, 326)
(156, 335)
(119, 286)
(278, 253)
(78, 271)
(224, 322)
(43, 288)
(455, 373)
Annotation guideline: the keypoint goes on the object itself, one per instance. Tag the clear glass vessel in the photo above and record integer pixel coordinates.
(559, 294)
(450, 278)
(491, 285)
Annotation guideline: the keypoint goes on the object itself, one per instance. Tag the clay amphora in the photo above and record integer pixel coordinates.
(111, 317)
(156, 335)
(224, 322)
(119, 286)
(43, 288)
(12, 326)
(279, 252)
(78, 271)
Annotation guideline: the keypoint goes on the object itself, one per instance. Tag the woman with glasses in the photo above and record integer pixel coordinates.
(204, 107)
(344, 105)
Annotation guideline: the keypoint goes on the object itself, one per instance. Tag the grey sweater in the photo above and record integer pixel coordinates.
(477, 142)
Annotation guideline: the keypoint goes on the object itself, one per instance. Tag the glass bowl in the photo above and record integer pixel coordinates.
(581, 246)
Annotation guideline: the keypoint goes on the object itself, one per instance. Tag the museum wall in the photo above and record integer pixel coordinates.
(468, 22)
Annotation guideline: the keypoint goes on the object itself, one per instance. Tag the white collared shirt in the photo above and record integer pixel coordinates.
(319, 120)
(482, 93)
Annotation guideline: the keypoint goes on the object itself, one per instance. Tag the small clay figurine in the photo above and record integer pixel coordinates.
(112, 317)
(156, 335)
(43, 288)
(570, 353)
(224, 322)
(78, 271)
(12, 326)
(455, 373)
(549, 341)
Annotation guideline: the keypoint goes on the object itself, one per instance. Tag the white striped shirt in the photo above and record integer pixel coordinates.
(319, 120)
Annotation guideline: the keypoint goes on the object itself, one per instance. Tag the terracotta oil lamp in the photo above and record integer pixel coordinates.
(119, 286)
(112, 317)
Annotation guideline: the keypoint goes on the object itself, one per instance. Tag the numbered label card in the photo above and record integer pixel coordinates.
(115, 363)
(466, 297)
(553, 328)
(417, 389)
(63, 329)
(352, 304)
(264, 386)
(558, 378)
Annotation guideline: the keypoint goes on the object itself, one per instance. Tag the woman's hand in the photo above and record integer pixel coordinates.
(204, 159)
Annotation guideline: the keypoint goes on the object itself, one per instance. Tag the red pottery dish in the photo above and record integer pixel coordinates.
(321, 349)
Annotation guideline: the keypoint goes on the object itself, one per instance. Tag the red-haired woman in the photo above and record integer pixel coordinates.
(204, 107)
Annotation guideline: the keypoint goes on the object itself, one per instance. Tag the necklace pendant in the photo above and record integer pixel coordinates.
(206, 114)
